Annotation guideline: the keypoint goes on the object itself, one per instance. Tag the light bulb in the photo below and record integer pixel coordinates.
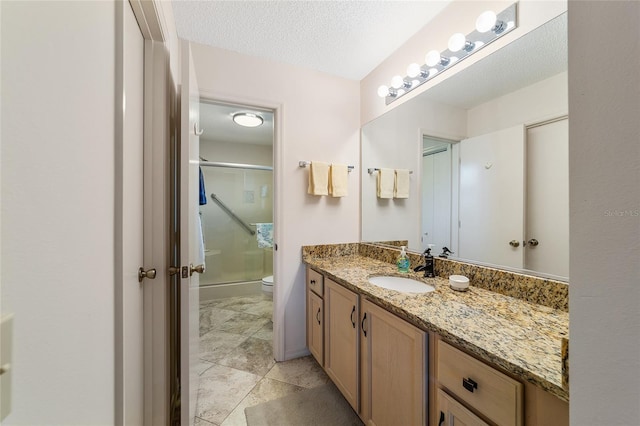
(457, 42)
(433, 71)
(433, 58)
(413, 70)
(383, 91)
(486, 21)
(397, 82)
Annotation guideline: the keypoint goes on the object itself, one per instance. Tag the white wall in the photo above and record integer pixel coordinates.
(57, 209)
(320, 121)
(604, 173)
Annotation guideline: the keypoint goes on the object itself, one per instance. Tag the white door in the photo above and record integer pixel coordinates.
(548, 199)
(436, 200)
(130, 391)
(428, 202)
(191, 251)
(492, 198)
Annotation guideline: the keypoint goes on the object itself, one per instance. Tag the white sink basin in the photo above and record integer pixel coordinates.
(402, 284)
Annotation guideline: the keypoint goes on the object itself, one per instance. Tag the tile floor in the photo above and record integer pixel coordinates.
(237, 369)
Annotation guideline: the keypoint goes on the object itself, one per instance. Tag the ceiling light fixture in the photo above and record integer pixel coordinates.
(247, 119)
(488, 27)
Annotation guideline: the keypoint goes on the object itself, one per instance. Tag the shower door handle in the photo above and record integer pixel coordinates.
(199, 269)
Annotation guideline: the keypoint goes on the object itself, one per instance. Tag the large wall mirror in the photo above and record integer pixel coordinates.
(488, 151)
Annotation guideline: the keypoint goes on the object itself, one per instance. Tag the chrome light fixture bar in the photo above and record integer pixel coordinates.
(489, 27)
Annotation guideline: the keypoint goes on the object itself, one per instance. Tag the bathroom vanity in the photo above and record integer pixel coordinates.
(478, 357)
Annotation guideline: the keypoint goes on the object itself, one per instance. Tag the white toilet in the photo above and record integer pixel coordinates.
(267, 286)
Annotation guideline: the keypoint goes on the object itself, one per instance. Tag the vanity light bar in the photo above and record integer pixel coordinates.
(489, 28)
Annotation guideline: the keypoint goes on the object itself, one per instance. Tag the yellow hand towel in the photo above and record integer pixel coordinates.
(401, 189)
(385, 183)
(338, 174)
(318, 178)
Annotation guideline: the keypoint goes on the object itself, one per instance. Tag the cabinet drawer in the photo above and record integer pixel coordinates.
(495, 395)
(451, 412)
(315, 281)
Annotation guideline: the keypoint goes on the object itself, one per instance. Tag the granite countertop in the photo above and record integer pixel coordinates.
(520, 337)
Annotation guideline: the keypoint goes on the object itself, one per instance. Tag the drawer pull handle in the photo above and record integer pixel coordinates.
(362, 324)
(318, 316)
(353, 311)
(441, 422)
(312, 282)
(469, 385)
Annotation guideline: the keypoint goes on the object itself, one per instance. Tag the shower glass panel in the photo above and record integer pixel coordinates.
(231, 250)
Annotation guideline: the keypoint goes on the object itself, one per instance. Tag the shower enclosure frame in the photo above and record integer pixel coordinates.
(234, 285)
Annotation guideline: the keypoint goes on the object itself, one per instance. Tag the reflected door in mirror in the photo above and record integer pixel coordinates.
(547, 217)
(492, 197)
(436, 194)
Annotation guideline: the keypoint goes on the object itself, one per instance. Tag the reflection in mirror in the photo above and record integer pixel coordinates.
(489, 147)
(437, 197)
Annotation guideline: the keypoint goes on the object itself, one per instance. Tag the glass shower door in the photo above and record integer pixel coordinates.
(237, 200)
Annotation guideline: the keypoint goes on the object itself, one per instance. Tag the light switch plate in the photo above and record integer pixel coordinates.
(6, 364)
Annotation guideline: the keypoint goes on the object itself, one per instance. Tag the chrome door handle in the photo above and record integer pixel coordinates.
(142, 274)
(199, 269)
(514, 243)
(533, 242)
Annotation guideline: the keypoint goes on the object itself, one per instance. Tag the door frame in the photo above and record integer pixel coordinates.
(158, 113)
(279, 298)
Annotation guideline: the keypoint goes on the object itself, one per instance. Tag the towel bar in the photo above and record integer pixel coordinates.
(306, 163)
(371, 170)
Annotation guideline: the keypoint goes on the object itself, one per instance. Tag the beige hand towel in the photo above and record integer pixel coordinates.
(385, 183)
(401, 189)
(338, 174)
(318, 178)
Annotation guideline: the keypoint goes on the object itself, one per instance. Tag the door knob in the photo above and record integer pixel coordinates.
(142, 274)
(199, 269)
(533, 242)
(514, 243)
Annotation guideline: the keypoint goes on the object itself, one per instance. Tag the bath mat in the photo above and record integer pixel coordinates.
(321, 406)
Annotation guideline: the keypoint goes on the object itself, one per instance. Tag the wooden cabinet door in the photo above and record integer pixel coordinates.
(315, 326)
(394, 369)
(452, 413)
(341, 340)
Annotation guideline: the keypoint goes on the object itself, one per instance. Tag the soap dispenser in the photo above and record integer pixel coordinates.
(403, 261)
(429, 271)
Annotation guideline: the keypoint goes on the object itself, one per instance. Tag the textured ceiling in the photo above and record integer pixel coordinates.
(344, 38)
